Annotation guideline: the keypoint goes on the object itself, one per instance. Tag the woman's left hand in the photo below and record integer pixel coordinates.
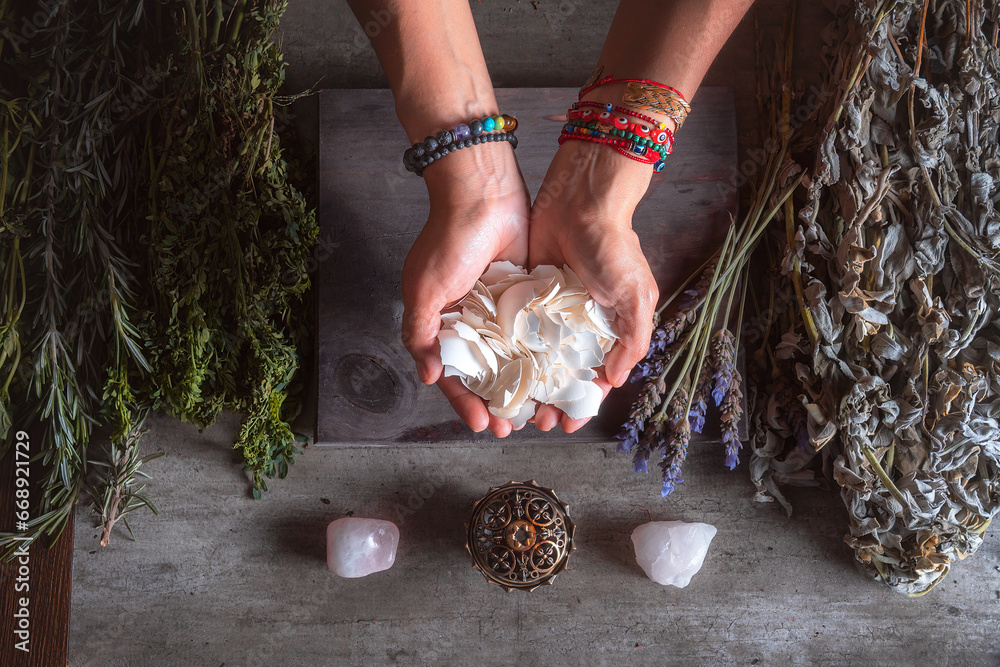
(582, 218)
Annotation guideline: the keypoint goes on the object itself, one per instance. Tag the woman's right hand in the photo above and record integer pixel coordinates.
(479, 210)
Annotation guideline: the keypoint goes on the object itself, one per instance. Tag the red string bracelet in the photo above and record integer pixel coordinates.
(615, 144)
(610, 79)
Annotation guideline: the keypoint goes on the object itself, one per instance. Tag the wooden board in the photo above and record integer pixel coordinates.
(371, 210)
(43, 578)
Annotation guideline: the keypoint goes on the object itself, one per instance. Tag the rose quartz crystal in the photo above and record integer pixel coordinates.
(358, 547)
(671, 552)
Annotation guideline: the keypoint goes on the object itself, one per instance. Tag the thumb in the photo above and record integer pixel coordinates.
(634, 325)
(421, 324)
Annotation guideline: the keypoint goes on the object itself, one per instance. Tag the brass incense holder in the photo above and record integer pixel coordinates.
(520, 535)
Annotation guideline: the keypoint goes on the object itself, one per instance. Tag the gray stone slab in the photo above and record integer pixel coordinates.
(371, 210)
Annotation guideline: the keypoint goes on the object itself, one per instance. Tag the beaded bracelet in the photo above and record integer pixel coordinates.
(627, 147)
(619, 146)
(659, 124)
(627, 141)
(440, 151)
(659, 140)
(631, 147)
(462, 136)
(660, 135)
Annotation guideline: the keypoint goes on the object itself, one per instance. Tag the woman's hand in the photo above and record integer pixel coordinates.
(582, 217)
(479, 208)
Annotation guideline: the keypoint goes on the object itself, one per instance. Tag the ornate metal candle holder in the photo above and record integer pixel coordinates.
(520, 535)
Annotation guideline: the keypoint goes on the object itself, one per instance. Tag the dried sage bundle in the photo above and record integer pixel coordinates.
(885, 366)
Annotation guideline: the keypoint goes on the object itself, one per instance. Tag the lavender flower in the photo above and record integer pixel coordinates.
(732, 410)
(699, 406)
(640, 460)
(651, 439)
(694, 296)
(629, 436)
(662, 347)
(678, 435)
(699, 402)
(644, 406)
(722, 357)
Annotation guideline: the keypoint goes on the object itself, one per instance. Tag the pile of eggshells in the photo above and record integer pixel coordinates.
(519, 339)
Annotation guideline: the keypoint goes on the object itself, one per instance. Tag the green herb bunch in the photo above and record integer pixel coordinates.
(228, 236)
(152, 246)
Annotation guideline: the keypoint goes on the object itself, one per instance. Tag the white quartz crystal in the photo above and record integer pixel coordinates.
(671, 552)
(358, 547)
(519, 339)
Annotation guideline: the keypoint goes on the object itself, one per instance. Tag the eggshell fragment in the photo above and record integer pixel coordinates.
(519, 339)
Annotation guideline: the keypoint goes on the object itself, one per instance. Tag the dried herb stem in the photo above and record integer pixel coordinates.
(883, 476)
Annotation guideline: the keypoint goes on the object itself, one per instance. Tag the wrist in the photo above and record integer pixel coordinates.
(429, 103)
(597, 182)
(481, 172)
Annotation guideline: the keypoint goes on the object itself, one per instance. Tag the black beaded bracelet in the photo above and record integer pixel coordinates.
(442, 151)
(417, 157)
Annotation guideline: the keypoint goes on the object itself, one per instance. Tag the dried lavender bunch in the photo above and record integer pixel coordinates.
(684, 341)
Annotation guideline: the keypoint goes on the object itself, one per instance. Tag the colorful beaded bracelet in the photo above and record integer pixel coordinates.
(618, 145)
(659, 135)
(628, 142)
(607, 106)
(449, 140)
(641, 153)
(631, 149)
(659, 142)
(425, 159)
(634, 149)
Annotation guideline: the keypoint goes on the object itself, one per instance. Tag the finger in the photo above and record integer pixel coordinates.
(421, 324)
(546, 417)
(573, 425)
(501, 428)
(469, 407)
(634, 325)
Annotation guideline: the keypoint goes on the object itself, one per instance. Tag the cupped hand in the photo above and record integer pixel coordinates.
(479, 209)
(582, 217)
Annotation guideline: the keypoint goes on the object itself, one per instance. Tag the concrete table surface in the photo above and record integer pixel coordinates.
(219, 578)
